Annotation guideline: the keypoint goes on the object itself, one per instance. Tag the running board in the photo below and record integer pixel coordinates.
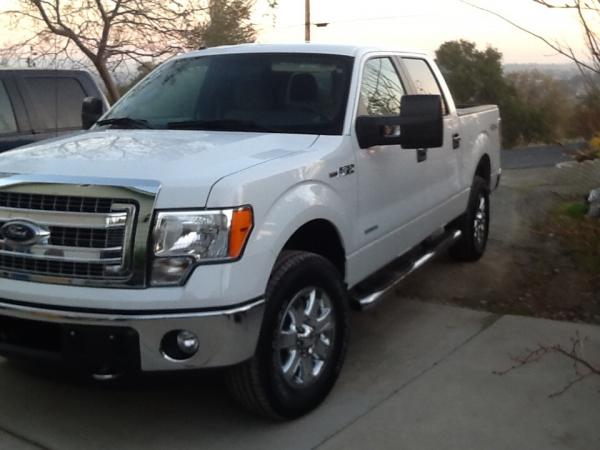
(369, 292)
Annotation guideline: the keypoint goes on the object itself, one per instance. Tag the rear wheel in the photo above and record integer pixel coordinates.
(474, 224)
(303, 340)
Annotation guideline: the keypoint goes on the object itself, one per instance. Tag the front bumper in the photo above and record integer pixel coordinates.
(227, 336)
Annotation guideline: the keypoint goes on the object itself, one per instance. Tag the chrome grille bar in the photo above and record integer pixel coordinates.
(65, 219)
(69, 254)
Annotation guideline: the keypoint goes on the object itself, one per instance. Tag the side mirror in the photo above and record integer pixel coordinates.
(419, 125)
(91, 110)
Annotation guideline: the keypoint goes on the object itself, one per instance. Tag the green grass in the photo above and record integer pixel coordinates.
(579, 234)
(575, 210)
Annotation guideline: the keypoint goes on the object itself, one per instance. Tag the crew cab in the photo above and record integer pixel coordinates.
(231, 209)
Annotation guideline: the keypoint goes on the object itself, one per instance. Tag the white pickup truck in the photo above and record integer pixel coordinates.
(231, 208)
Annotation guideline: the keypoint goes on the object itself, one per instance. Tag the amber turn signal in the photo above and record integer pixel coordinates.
(241, 226)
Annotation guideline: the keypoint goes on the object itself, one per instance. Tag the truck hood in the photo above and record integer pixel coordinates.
(186, 163)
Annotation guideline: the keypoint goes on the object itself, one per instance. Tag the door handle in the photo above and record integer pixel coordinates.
(421, 155)
(456, 141)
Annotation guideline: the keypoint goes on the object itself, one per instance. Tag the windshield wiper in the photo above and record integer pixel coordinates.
(125, 122)
(219, 125)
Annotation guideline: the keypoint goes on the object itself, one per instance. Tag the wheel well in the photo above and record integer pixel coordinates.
(484, 169)
(321, 237)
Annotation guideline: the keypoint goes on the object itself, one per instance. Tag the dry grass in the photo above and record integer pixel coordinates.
(577, 234)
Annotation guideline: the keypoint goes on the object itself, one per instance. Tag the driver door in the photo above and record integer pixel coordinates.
(391, 180)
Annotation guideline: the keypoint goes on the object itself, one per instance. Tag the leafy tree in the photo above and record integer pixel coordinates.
(476, 77)
(228, 23)
(586, 116)
(547, 106)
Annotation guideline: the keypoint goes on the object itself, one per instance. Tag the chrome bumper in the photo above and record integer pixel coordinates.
(227, 336)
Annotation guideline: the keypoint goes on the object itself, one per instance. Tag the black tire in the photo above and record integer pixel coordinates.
(259, 384)
(475, 228)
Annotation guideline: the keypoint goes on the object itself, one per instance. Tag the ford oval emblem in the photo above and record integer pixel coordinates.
(21, 232)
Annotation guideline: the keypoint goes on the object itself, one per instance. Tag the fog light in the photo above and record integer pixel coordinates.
(187, 342)
(180, 345)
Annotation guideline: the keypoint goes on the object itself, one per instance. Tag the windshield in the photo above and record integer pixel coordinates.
(266, 92)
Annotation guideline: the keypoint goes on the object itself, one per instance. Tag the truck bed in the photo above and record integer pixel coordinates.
(464, 110)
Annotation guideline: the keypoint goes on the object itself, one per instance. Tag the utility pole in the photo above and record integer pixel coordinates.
(307, 20)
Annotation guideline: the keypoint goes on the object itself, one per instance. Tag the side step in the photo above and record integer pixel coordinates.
(370, 291)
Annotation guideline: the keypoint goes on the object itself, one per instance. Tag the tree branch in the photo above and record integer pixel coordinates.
(550, 44)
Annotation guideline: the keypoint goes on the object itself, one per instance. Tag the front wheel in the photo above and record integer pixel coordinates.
(303, 339)
(474, 224)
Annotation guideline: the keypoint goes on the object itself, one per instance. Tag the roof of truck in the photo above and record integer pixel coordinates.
(334, 49)
(37, 71)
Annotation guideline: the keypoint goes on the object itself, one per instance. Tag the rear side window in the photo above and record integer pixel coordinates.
(424, 79)
(8, 124)
(57, 100)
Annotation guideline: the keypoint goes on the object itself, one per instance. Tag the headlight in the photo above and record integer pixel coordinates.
(184, 239)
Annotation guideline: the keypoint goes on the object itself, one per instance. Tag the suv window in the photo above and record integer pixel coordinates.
(424, 79)
(8, 124)
(58, 101)
(381, 90)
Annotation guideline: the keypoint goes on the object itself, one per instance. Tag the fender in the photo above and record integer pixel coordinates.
(300, 204)
(477, 151)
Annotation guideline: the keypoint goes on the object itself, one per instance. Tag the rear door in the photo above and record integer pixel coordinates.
(442, 168)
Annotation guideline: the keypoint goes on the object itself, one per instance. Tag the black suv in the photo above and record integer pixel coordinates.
(40, 104)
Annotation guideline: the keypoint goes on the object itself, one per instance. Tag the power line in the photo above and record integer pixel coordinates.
(366, 19)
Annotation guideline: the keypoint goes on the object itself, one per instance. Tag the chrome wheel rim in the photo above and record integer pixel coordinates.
(305, 337)
(480, 221)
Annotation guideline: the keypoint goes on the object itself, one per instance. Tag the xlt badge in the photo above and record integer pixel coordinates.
(343, 171)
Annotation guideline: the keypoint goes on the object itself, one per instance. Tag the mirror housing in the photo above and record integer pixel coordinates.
(419, 125)
(92, 109)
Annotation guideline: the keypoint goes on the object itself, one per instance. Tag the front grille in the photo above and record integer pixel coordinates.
(65, 203)
(86, 237)
(51, 267)
(89, 237)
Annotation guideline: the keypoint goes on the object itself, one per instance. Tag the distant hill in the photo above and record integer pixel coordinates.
(563, 71)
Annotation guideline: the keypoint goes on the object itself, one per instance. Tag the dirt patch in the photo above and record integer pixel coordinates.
(535, 264)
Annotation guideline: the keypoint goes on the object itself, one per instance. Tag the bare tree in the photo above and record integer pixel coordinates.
(589, 15)
(106, 33)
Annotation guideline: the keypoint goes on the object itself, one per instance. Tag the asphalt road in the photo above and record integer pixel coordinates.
(539, 156)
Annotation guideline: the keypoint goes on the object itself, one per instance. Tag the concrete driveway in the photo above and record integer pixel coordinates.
(418, 376)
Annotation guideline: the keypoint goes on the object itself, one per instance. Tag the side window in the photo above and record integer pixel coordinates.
(381, 90)
(57, 100)
(424, 79)
(8, 124)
